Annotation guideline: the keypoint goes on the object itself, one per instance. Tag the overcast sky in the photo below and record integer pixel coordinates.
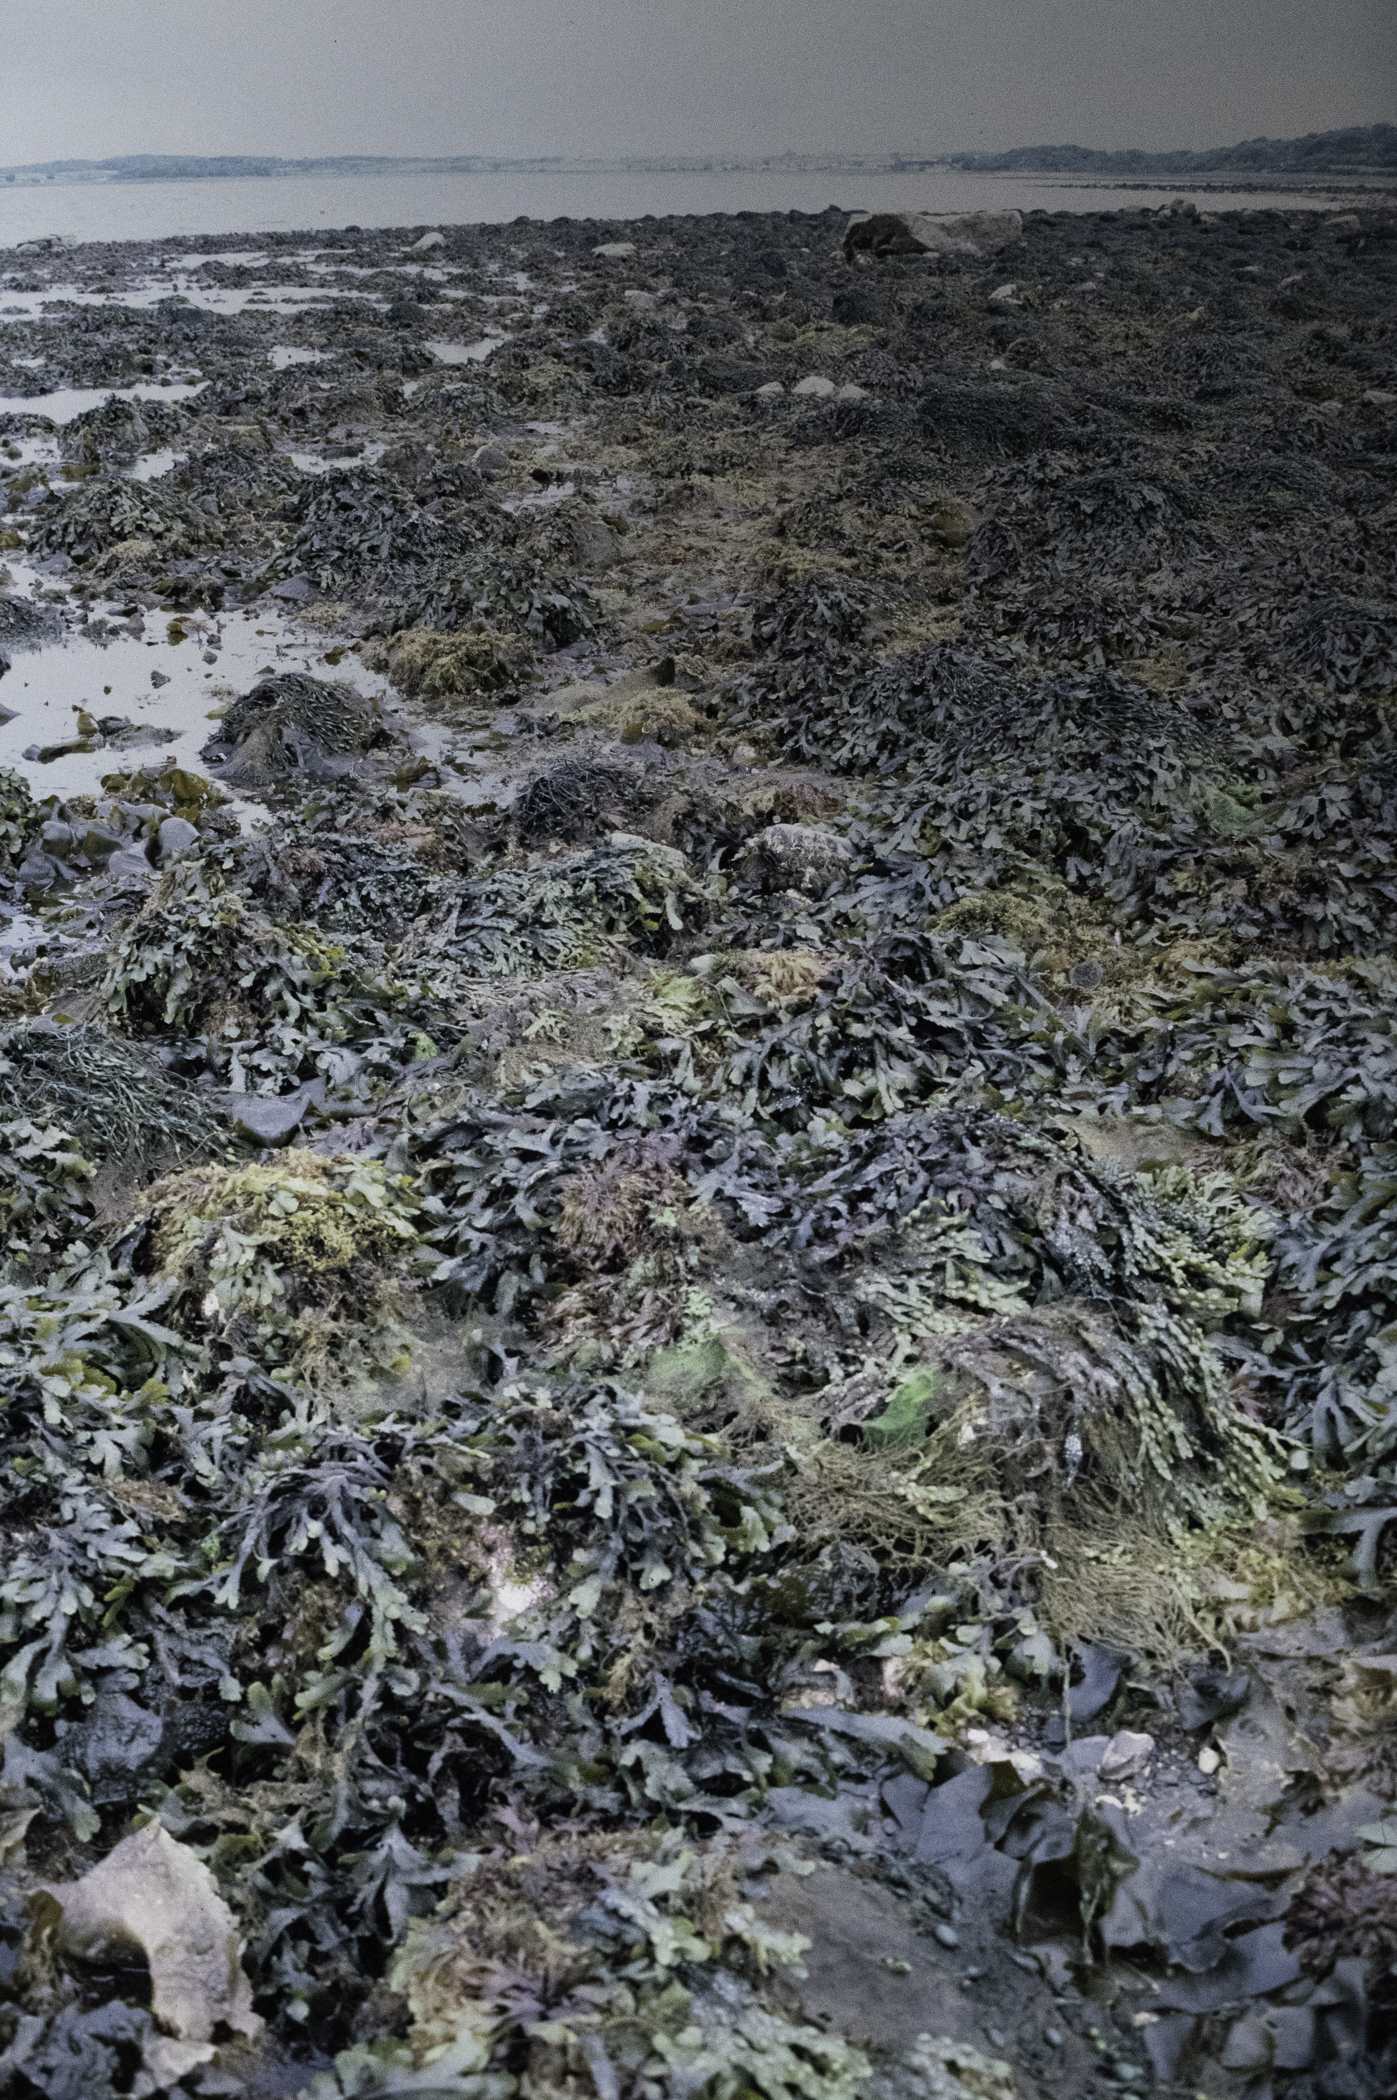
(88, 78)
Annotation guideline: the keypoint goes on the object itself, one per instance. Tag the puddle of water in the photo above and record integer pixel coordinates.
(46, 687)
(151, 465)
(281, 355)
(16, 452)
(462, 775)
(236, 258)
(20, 931)
(465, 353)
(313, 463)
(67, 402)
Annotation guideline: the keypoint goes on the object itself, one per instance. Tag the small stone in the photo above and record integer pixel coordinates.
(896, 1967)
(615, 251)
(1053, 2037)
(294, 591)
(1208, 1761)
(427, 242)
(814, 384)
(850, 392)
(159, 678)
(1378, 397)
(770, 390)
(947, 1935)
(1005, 291)
(130, 865)
(1126, 1755)
(490, 459)
(996, 2035)
(177, 835)
(274, 1119)
(799, 856)
(953, 522)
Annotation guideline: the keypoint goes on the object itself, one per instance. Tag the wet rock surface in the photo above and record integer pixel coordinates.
(698, 1160)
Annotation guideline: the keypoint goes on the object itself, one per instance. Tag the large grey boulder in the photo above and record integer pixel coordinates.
(968, 233)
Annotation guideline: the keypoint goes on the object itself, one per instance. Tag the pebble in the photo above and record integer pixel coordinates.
(814, 383)
(1053, 2037)
(947, 1935)
(177, 835)
(1208, 1761)
(1127, 1754)
(130, 863)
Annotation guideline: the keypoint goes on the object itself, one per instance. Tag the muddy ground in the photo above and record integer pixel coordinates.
(699, 1169)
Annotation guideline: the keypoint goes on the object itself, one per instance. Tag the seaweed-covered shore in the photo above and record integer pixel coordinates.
(699, 1161)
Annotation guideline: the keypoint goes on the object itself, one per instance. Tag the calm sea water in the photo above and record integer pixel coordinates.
(129, 211)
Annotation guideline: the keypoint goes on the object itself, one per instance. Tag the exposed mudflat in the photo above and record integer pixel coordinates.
(699, 1162)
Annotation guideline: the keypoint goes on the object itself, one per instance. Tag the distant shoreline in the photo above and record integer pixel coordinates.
(1357, 155)
(1345, 182)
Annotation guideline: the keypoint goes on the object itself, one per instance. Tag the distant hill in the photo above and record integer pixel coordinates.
(1361, 149)
(1366, 149)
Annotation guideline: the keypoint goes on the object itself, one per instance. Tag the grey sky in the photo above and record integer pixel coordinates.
(94, 77)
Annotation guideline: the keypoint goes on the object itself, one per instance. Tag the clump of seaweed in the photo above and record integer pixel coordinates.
(566, 914)
(45, 1203)
(512, 1976)
(578, 799)
(19, 816)
(1344, 1910)
(304, 1252)
(198, 957)
(291, 724)
(116, 1097)
(420, 661)
(105, 514)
